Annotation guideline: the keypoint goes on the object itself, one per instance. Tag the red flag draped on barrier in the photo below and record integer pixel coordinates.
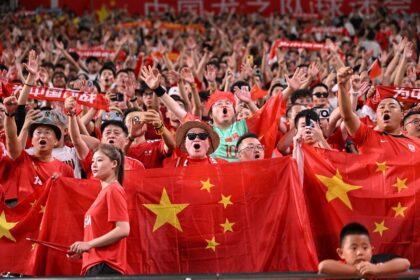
(186, 220)
(380, 195)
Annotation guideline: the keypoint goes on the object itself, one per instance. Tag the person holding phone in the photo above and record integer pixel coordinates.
(308, 129)
(106, 223)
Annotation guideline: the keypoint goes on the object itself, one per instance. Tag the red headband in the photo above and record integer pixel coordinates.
(219, 95)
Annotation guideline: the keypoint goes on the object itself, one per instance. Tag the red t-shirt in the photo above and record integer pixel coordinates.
(31, 174)
(336, 140)
(108, 208)
(369, 141)
(151, 153)
(129, 164)
(186, 161)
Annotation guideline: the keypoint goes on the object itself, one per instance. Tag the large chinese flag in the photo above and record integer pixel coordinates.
(242, 217)
(380, 195)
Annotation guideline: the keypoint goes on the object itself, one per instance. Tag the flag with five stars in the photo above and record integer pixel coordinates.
(242, 217)
(380, 195)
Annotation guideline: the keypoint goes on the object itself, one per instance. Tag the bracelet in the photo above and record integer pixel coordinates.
(130, 138)
(160, 91)
(10, 115)
(70, 114)
(159, 130)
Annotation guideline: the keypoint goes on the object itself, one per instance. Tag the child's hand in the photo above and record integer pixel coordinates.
(367, 268)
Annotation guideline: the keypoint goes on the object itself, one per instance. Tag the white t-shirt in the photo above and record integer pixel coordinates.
(66, 155)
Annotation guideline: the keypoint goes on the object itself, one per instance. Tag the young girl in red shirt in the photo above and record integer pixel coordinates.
(106, 222)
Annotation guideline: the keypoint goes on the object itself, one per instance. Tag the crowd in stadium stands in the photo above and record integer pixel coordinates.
(187, 90)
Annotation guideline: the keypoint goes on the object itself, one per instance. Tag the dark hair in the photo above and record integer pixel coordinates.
(239, 84)
(312, 115)
(116, 123)
(245, 136)
(59, 73)
(319, 85)
(122, 71)
(130, 110)
(114, 154)
(90, 59)
(108, 66)
(410, 113)
(391, 97)
(178, 99)
(300, 93)
(352, 228)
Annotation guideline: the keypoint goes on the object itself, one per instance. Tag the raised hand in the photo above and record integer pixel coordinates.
(10, 103)
(243, 95)
(210, 73)
(31, 116)
(70, 104)
(344, 75)
(173, 77)
(151, 77)
(297, 79)
(152, 117)
(187, 75)
(32, 65)
(314, 69)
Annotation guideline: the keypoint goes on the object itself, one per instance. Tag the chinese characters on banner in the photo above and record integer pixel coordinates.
(301, 8)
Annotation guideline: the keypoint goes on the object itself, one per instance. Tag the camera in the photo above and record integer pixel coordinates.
(323, 113)
(119, 97)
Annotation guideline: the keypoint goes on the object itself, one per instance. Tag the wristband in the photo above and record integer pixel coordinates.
(130, 138)
(160, 91)
(10, 115)
(70, 114)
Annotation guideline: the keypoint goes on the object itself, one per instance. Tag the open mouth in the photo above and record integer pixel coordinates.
(257, 156)
(225, 111)
(42, 142)
(111, 141)
(387, 117)
(196, 146)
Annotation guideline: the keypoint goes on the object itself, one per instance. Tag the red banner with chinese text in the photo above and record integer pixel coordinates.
(95, 100)
(411, 95)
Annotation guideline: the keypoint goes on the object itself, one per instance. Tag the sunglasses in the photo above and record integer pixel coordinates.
(321, 94)
(202, 136)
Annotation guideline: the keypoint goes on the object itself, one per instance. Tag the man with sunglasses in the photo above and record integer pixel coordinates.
(411, 123)
(249, 147)
(320, 96)
(197, 140)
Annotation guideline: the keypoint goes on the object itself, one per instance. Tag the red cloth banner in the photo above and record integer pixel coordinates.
(95, 100)
(411, 95)
(182, 220)
(380, 195)
(294, 45)
(96, 52)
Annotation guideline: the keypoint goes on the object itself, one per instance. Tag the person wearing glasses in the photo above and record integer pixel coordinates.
(249, 147)
(320, 96)
(197, 141)
(411, 123)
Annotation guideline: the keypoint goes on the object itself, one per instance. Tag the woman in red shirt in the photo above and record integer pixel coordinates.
(106, 222)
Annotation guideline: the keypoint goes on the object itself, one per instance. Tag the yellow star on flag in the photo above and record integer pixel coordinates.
(382, 167)
(5, 227)
(33, 203)
(226, 201)
(399, 210)
(42, 209)
(166, 212)
(227, 226)
(380, 227)
(206, 185)
(34, 245)
(400, 184)
(212, 244)
(337, 188)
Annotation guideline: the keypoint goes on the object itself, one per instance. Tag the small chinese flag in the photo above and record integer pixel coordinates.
(375, 70)
(257, 93)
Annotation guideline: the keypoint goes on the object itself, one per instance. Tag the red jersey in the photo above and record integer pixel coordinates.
(129, 164)
(151, 153)
(369, 141)
(336, 140)
(108, 208)
(31, 173)
(186, 161)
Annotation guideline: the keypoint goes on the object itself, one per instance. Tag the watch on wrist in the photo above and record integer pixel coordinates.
(10, 115)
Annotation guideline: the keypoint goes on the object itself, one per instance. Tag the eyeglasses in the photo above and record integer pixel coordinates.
(202, 136)
(253, 147)
(321, 94)
(415, 122)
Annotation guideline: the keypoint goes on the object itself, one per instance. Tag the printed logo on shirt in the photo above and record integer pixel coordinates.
(411, 147)
(37, 181)
(148, 152)
(88, 221)
(383, 141)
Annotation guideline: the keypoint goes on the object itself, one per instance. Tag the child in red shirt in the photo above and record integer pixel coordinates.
(106, 222)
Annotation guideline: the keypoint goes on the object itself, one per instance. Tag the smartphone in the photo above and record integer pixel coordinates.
(309, 122)
(250, 60)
